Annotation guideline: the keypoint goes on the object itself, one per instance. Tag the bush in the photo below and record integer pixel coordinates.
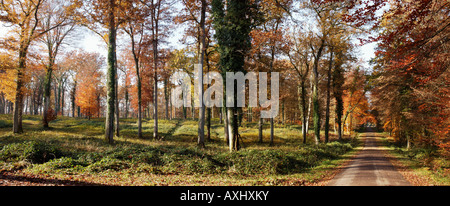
(64, 163)
(183, 164)
(263, 162)
(5, 123)
(135, 154)
(174, 159)
(31, 151)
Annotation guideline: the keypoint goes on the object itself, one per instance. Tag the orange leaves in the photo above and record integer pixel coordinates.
(355, 99)
(261, 38)
(413, 66)
(87, 97)
(89, 91)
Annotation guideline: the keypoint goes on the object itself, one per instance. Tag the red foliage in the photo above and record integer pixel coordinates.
(51, 115)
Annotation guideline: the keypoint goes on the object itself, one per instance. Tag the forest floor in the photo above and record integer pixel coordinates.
(74, 153)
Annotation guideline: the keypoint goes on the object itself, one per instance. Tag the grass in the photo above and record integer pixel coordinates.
(75, 149)
(421, 166)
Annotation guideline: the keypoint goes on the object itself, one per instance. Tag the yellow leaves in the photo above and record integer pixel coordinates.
(8, 84)
(7, 76)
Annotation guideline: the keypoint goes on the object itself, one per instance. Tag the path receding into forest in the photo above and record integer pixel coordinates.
(369, 167)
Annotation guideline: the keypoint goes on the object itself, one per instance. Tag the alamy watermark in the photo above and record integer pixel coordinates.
(181, 94)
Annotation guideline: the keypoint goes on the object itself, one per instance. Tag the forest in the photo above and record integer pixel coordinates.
(70, 115)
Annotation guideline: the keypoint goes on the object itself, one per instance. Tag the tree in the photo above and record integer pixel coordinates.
(233, 25)
(330, 29)
(410, 68)
(111, 72)
(159, 14)
(298, 52)
(24, 15)
(135, 28)
(338, 92)
(268, 38)
(57, 14)
(355, 100)
(195, 12)
(110, 14)
(89, 86)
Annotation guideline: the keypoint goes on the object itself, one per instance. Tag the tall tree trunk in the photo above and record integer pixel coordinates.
(18, 104)
(58, 96)
(27, 102)
(72, 98)
(308, 115)
(201, 122)
(155, 89)
(316, 115)
(208, 124)
(2, 104)
(327, 109)
(126, 101)
(226, 125)
(221, 116)
(338, 81)
(271, 131)
(315, 95)
(139, 89)
(304, 111)
(117, 103)
(260, 130)
(166, 97)
(111, 76)
(233, 125)
(139, 114)
(235, 138)
(47, 86)
(283, 112)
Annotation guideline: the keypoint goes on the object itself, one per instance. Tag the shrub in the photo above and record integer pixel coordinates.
(262, 162)
(67, 164)
(182, 164)
(135, 154)
(5, 123)
(32, 151)
(60, 163)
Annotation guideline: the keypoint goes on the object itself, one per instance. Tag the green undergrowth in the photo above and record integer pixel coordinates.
(48, 157)
(74, 146)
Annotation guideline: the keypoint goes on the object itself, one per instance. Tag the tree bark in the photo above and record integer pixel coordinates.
(155, 10)
(110, 100)
(315, 95)
(260, 130)
(47, 86)
(117, 103)
(18, 104)
(327, 110)
(304, 111)
(166, 97)
(201, 122)
(72, 98)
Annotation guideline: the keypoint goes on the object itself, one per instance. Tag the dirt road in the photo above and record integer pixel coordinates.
(370, 167)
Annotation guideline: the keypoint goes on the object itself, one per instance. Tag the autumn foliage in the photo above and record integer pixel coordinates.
(89, 89)
(311, 43)
(412, 87)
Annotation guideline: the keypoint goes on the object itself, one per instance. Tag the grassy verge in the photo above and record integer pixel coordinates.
(421, 166)
(74, 149)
